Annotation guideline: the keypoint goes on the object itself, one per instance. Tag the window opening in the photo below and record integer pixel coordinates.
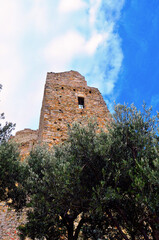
(81, 102)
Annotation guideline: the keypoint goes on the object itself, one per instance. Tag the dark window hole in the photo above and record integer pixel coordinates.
(81, 102)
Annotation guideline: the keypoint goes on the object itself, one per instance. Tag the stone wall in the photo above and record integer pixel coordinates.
(9, 221)
(67, 99)
(26, 140)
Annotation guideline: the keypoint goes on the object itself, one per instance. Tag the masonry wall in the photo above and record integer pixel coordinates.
(9, 222)
(67, 99)
(61, 106)
(26, 140)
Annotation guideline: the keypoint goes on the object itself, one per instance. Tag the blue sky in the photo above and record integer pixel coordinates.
(138, 28)
(113, 43)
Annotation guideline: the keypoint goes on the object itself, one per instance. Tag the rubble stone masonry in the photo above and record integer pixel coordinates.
(26, 139)
(67, 99)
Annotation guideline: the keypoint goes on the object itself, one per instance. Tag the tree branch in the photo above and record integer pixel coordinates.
(78, 228)
(116, 223)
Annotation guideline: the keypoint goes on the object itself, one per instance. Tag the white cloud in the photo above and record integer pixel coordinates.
(15, 100)
(95, 41)
(39, 36)
(71, 5)
(93, 10)
(10, 19)
(11, 66)
(62, 50)
(103, 16)
(38, 16)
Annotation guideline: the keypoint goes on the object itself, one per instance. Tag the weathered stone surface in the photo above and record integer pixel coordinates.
(67, 98)
(26, 140)
(63, 94)
(9, 221)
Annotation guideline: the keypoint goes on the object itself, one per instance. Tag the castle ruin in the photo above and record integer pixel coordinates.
(67, 99)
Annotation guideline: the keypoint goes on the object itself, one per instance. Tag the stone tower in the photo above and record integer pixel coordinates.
(67, 98)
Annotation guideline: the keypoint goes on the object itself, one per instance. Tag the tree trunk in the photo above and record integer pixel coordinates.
(155, 234)
(78, 229)
(144, 234)
(70, 231)
(117, 225)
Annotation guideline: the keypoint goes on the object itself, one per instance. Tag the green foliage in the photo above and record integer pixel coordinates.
(97, 185)
(60, 184)
(11, 170)
(129, 191)
(11, 175)
(5, 131)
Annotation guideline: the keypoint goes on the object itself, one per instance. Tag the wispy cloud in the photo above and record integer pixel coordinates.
(37, 16)
(70, 5)
(62, 50)
(11, 66)
(44, 35)
(108, 56)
